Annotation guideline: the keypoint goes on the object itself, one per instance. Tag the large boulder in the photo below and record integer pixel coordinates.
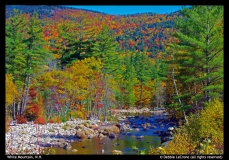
(79, 126)
(101, 135)
(81, 134)
(110, 128)
(88, 131)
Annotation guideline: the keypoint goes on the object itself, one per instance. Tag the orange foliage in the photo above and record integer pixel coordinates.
(54, 119)
(40, 120)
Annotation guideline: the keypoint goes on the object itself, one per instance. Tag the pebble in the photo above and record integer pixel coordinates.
(74, 150)
(24, 138)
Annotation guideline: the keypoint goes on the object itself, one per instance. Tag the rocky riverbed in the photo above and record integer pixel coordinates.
(34, 139)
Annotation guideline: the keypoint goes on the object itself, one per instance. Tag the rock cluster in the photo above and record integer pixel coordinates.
(33, 138)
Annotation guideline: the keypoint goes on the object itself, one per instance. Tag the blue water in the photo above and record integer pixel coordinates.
(126, 139)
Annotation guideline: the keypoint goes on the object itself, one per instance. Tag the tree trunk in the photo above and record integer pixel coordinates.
(13, 110)
(140, 95)
(26, 95)
(176, 91)
(195, 94)
(207, 63)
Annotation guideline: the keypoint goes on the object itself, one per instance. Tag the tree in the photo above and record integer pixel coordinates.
(143, 72)
(200, 51)
(11, 93)
(25, 51)
(74, 40)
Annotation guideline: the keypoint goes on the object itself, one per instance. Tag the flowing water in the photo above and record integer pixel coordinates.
(126, 139)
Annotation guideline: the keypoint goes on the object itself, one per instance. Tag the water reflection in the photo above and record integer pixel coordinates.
(128, 139)
(95, 145)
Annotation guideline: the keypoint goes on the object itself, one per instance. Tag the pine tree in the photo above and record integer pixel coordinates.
(129, 77)
(105, 48)
(25, 51)
(74, 41)
(143, 71)
(199, 53)
(14, 44)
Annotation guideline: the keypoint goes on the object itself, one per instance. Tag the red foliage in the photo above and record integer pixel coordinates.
(32, 93)
(100, 105)
(21, 119)
(40, 120)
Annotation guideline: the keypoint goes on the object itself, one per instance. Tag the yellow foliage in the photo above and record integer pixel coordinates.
(77, 114)
(10, 89)
(203, 135)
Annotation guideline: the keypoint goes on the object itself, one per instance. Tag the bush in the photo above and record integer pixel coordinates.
(31, 112)
(203, 135)
(21, 119)
(40, 120)
(55, 119)
(63, 119)
(76, 114)
(7, 124)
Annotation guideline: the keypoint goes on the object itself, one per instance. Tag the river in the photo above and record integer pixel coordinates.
(125, 140)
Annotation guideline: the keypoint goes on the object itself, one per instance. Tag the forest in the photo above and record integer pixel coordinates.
(64, 63)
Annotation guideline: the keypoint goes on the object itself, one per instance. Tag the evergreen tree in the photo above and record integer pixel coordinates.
(199, 53)
(129, 77)
(143, 71)
(25, 52)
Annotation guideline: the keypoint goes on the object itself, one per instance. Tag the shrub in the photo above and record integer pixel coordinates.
(202, 135)
(21, 119)
(40, 120)
(7, 124)
(76, 114)
(63, 119)
(31, 112)
(55, 119)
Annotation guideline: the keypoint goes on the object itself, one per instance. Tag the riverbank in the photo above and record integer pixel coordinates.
(140, 111)
(33, 138)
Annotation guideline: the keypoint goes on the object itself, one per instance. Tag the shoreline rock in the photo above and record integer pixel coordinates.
(32, 138)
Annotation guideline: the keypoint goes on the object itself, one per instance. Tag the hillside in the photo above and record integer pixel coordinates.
(147, 31)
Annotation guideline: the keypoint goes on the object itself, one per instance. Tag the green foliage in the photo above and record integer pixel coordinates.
(134, 148)
(63, 119)
(112, 119)
(198, 55)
